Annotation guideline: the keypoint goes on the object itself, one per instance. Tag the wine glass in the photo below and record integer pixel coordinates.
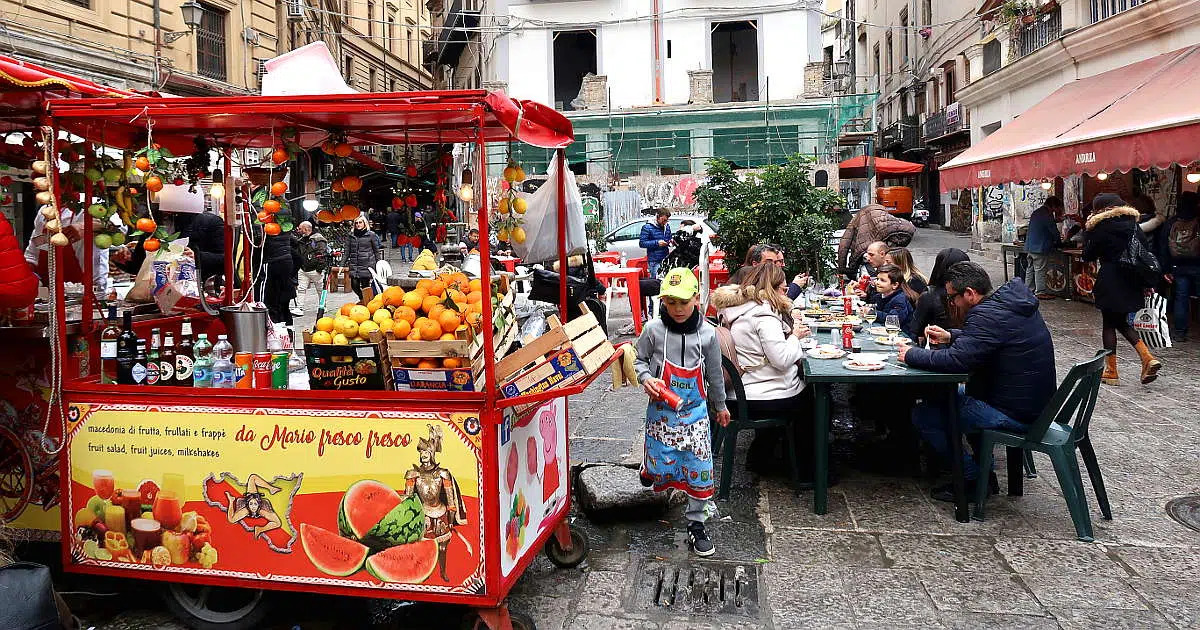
(892, 324)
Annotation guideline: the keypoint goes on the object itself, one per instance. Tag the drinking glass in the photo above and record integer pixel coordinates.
(103, 483)
(868, 313)
(892, 324)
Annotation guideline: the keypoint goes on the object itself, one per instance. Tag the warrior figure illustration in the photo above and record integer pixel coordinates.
(439, 494)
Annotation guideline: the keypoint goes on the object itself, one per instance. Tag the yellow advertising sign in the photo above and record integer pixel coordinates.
(363, 499)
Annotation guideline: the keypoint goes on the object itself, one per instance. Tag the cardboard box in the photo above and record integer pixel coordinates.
(448, 380)
(362, 366)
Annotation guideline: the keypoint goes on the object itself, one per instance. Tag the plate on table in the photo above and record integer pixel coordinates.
(877, 330)
(826, 352)
(861, 364)
(886, 341)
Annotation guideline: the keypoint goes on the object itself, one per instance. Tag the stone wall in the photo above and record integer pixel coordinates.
(815, 75)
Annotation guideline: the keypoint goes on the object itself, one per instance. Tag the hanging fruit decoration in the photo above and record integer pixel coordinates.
(46, 197)
(511, 207)
(345, 184)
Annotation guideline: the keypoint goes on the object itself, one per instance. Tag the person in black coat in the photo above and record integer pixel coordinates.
(206, 237)
(363, 251)
(931, 305)
(277, 281)
(1118, 292)
(1005, 347)
(393, 222)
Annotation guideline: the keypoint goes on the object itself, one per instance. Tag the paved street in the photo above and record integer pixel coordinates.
(886, 555)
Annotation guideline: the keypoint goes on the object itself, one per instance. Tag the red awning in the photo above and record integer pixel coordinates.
(856, 167)
(25, 87)
(367, 119)
(1138, 116)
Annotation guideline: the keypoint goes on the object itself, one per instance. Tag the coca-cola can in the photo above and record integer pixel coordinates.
(847, 304)
(672, 400)
(243, 374)
(263, 367)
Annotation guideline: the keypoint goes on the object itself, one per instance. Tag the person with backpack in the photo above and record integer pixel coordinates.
(1111, 233)
(1180, 258)
(768, 354)
(312, 258)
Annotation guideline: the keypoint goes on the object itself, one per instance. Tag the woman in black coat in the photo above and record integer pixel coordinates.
(363, 251)
(931, 305)
(1118, 292)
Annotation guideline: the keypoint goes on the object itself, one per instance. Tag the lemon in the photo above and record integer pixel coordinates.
(360, 314)
(350, 329)
(502, 206)
(325, 324)
(502, 234)
(381, 316)
(520, 205)
(366, 328)
(322, 337)
(518, 235)
(340, 340)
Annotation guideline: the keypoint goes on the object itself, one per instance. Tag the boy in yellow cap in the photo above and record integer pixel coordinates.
(679, 365)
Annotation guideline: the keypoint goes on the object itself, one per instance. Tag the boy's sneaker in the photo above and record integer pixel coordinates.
(699, 541)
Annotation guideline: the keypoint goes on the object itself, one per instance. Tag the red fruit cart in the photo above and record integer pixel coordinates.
(415, 495)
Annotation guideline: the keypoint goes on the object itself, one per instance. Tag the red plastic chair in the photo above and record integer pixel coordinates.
(612, 258)
(640, 263)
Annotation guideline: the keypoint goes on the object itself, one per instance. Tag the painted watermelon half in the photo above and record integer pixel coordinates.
(330, 553)
(412, 563)
(365, 503)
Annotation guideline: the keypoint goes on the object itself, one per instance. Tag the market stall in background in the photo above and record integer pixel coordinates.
(415, 449)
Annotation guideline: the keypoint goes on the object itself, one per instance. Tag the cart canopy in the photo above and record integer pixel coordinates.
(367, 119)
(24, 87)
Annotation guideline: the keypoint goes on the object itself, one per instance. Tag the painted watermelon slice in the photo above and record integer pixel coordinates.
(412, 563)
(365, 503)
(331, 553)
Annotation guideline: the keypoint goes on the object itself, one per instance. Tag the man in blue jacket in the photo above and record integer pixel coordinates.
(1004, 346)
(655, 239)
(1041, 241)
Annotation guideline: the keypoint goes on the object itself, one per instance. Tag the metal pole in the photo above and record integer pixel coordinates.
(157, 45)
(485, 267)
(563, 263)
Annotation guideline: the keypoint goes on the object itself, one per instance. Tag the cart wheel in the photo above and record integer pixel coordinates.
(217, 608)
(16, 476)
(568, 559)
(519, 621)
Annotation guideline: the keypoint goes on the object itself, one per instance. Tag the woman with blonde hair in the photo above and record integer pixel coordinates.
(767, 343)
(902, 258)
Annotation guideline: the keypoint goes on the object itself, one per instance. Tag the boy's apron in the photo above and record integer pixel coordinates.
(678, 447)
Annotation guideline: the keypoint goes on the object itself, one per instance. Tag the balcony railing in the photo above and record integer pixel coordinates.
(1046, 28)
(889, 137)
(946, 121)
(910, 133)
(1104, 9)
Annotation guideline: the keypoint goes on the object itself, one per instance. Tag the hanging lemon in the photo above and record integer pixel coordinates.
(519, 205)
(518, 235)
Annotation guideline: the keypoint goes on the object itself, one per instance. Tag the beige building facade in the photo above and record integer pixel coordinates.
(146, 44)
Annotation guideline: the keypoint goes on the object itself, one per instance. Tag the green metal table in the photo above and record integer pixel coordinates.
(820, 374)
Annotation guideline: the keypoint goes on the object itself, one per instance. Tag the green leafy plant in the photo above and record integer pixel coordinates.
(1013, 10)
(779, 205)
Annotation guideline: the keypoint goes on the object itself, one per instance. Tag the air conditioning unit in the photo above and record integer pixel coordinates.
(295, 9)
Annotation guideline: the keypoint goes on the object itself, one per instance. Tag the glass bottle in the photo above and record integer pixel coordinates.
(108, 347)
(127, 347)
(166, 361)
(183, 355)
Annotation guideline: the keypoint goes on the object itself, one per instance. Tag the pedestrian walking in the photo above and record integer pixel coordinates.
(679, 366)
(1118, 291)
(656, 239)
(393, 221)
(1180, 258)
(363, 251)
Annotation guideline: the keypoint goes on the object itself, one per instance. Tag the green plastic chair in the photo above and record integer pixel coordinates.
(1054, 434)
(739, 420)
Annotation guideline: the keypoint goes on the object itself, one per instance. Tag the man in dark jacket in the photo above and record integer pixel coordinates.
(206, 237)
(655, 239)
(1005, 347)
(1040, 242)
(1180, 259)
(393, 221)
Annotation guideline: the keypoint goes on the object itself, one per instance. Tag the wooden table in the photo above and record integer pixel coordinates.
(630, 275)
(821, 374)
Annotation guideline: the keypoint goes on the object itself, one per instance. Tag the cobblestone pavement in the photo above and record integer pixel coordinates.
(885, 555)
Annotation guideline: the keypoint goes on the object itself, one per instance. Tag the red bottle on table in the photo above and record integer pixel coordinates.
(847, 336)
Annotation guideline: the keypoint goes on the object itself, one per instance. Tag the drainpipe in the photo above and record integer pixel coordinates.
(658, 62)
(157, 45)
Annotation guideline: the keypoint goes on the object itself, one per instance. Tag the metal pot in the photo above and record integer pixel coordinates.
(247, 327)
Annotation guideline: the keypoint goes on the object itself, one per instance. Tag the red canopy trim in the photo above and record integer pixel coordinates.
(31, 76)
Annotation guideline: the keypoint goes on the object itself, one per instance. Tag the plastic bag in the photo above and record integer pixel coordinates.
(1151, 322)
(541, 220)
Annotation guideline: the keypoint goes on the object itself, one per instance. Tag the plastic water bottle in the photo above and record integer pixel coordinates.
(202, 374)
(222, 368)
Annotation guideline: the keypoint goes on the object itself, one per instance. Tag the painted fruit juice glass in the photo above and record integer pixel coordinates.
(167, 509)
(103, 483)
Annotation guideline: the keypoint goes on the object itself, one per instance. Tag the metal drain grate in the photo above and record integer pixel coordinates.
(1186, 510)
(702, 587)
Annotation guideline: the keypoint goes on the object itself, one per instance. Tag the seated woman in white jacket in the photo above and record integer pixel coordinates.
(758, 315)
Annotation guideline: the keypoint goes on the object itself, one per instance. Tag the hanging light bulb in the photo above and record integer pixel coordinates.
(466, 192)
(217, 190)
(1193, 177)
(1101, 176)
(1047, 185)
(310, 205)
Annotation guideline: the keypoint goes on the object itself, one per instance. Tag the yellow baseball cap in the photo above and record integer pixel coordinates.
(680, 283)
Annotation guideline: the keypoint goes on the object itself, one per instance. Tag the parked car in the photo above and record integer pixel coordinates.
(625, 238)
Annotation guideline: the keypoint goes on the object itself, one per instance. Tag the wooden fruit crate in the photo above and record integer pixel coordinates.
(566, 354)
(468, 347)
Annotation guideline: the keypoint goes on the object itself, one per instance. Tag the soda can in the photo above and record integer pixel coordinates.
(847, 305)
(279, 369)
(262, 370)
(672, 400)
(243, 375)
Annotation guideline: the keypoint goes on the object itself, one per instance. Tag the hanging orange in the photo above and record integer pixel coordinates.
(264, 216)
(325, 216)
(153, 183)
(151, 244)
(278, 188)
(272, 228)
(271, 206)
(343, 150)
(142, 163)
(349, 213)
(336, 186)
(279, 156)
(146, 225)
(352, 183)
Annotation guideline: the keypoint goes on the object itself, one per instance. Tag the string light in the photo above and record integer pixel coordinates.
(1193, 177)
(1047, 185)
(1102, 176)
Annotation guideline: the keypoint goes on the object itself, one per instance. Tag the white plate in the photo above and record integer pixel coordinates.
(866, 367)
(820, 353)
(877, 330)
